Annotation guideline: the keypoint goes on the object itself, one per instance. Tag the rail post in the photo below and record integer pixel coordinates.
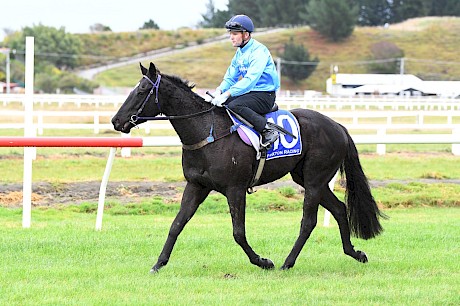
(28, 132)
(103, 188)
(456, 146)
(381, 147)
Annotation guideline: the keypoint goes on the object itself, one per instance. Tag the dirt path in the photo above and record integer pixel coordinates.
(47, 194)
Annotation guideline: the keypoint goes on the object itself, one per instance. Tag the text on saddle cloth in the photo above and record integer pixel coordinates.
(286, 145)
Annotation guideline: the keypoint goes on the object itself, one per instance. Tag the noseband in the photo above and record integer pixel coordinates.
(155, 86)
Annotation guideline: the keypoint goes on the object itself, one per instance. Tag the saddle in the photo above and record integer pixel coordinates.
(288, 144)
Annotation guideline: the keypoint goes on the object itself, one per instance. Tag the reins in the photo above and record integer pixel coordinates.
(135, 117)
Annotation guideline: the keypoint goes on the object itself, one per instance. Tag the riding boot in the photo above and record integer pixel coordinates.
(269, 136)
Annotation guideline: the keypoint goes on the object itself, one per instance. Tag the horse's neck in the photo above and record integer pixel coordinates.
(194, 129)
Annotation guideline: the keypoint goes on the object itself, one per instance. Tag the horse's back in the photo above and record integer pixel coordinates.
(322, 138)
(319, 127)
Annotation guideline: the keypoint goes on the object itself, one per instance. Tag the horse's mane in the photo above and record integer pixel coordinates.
(185, 84)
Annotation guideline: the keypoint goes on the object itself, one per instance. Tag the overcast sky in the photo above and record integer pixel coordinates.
(120, 15)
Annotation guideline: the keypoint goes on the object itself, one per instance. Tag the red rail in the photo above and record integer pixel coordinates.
(70, 142)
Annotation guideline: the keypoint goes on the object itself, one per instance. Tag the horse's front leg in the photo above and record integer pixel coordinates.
(193, 196)
(237, 203)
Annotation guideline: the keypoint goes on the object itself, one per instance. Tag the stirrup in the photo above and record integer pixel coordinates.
(266, 143)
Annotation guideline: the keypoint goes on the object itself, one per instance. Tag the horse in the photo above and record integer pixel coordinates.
(226, 164)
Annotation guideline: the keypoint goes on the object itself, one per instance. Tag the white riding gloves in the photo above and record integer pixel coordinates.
(216, 93)
(220, 99)
(212, 95)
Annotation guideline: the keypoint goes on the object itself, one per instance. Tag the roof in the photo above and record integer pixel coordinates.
(381, 79)
(393, 84)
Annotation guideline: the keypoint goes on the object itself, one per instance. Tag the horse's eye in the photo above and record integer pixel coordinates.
(143, 87)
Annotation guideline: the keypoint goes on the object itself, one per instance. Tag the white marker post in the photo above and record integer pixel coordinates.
(28, 132)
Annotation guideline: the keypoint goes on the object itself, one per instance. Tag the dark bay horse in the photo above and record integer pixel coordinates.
(226, 165)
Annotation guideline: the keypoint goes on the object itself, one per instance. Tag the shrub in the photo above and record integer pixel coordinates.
(387, 56)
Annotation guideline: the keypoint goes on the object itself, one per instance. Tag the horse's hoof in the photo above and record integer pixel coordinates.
(285, 267)
(361, 257)
(266, 264)
(155, 269)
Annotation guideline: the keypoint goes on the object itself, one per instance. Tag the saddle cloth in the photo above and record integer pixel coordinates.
(285, 145)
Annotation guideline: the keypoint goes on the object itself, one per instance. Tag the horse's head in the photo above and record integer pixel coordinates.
(143, 99)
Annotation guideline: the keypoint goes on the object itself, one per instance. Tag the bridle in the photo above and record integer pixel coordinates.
(156, 86)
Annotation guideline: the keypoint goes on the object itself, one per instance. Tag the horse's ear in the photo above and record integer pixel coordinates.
(152, 69)
(143, 69)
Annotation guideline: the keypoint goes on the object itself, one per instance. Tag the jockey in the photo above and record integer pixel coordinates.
(251, 81)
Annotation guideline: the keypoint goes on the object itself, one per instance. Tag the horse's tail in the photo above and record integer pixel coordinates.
(363, 213)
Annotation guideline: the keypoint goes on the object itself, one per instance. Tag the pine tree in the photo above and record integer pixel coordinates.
(214, 18)
(297, 64)
(373, 12)
(150, 25)
(333, 19)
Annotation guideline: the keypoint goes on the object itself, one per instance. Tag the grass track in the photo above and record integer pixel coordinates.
(62, 260)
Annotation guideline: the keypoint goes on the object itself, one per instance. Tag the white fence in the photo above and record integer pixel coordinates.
(369, 102)
(353, 120)
(357, 114)
(61, 100)
(286, 101)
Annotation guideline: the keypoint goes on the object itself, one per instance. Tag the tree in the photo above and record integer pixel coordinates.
(333, 19)
(50, 79)
(270, 13)
(52, 45)
(46, 82)
(150, 25)
(297, 64)
(373, 12)
(281, 12)
(69, 81)
(404, 9)
(444, 8)
(214, 18)
(387, 57)
(247, 7)
(99, 27)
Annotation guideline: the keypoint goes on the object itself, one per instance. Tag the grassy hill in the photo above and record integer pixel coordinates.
(102, 47)
(431, 45)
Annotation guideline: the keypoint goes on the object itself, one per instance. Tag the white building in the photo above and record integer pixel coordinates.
(389, 84)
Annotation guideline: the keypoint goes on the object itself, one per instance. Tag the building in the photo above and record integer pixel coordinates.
(13, 87)
(342, 84)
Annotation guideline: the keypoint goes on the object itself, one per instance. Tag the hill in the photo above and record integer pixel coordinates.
(100, 48)
(430, 45)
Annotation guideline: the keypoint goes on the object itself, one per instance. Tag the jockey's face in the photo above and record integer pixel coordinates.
(239, 38)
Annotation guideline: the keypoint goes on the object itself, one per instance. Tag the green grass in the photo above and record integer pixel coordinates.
(164, 164)
(417, 194)
(62, 260)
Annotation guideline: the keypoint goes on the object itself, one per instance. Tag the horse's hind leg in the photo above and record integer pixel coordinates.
(338, 210)
(193, 196)
(309, 220)
(237, 203)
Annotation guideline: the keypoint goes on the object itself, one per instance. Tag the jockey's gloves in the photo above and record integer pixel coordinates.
(220, 99)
